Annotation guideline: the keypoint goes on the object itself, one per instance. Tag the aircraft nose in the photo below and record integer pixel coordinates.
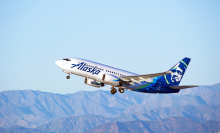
(58, 63)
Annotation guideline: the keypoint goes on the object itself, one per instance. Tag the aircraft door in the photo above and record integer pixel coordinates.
(158, 86)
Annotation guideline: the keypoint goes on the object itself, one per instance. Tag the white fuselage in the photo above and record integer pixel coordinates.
(101, 69)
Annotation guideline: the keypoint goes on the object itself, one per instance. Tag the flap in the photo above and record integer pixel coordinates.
(144, 77)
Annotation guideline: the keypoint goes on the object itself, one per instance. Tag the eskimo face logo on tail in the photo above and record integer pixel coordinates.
(83, 67)
(177, 73)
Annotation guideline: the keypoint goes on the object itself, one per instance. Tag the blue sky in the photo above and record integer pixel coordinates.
(139, 36)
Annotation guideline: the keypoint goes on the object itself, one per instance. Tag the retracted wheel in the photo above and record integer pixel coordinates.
(121, 90)
(68, 77)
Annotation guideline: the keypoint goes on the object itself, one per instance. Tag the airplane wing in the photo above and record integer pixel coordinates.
(182, 87)
(139, 78)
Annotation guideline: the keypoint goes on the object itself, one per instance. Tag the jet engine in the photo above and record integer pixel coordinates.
(93, 83)
(111, 79)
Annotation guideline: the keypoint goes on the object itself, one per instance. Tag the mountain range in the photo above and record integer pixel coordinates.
(100, 124)
(32, 109)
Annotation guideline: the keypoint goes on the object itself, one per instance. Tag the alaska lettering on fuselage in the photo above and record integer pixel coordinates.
(84, 67)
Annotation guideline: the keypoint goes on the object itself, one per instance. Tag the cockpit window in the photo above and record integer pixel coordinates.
(66, 59)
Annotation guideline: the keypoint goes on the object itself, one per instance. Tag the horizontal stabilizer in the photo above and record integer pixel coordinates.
(182, 87)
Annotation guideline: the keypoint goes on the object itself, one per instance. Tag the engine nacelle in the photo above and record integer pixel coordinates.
(111, 79)
(93, 83)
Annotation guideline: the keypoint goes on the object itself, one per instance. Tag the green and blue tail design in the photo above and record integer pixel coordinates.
(177, 73)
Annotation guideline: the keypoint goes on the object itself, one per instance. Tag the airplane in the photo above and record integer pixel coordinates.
(99, 75)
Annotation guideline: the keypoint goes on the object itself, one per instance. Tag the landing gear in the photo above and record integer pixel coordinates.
(121, 90)
(68, 77)
(113, 91)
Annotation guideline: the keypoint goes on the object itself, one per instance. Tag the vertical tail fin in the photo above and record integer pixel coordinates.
(177, 72)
